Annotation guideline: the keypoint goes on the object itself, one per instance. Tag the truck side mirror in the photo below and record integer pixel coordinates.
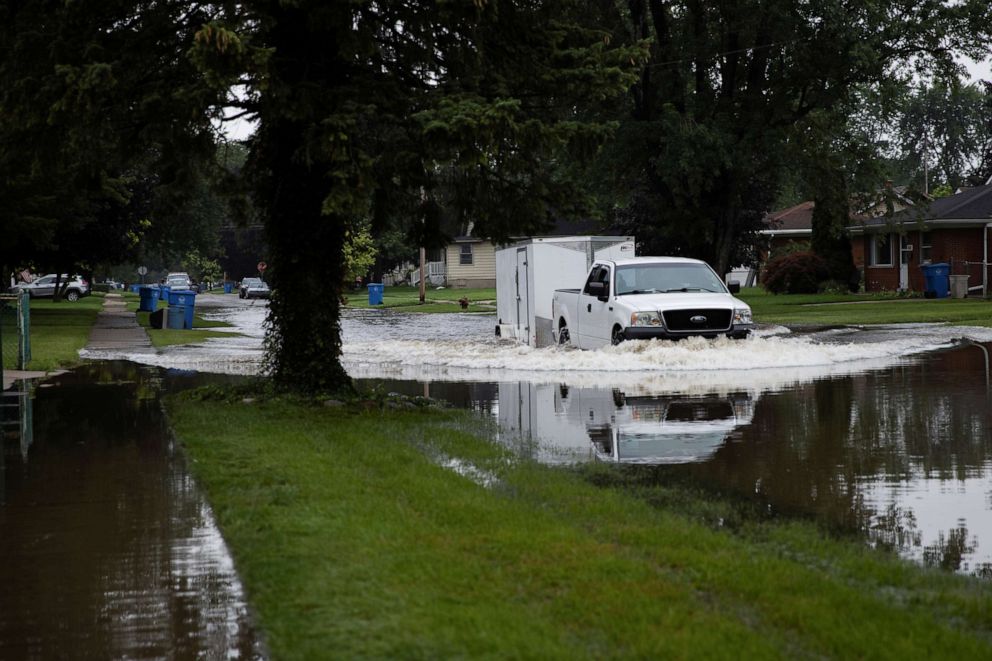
(597, 289)
(734, 287)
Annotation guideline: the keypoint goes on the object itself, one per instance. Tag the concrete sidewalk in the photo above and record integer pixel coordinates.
(116, 328)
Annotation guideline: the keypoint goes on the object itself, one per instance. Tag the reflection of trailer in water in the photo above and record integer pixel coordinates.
(562, 424)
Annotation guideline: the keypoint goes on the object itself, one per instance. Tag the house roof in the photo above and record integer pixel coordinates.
(974, 204)
(796, 218)
(562, 227)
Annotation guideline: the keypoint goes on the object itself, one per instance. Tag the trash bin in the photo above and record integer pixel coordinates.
(185, 299)
(228, 287)
(375, 293)
(163, 292)
(959, 286)
(135, 289)
(935, 282)
(148, 301)
(176, 317)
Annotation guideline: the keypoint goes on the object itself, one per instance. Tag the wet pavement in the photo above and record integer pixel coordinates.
(107, 547)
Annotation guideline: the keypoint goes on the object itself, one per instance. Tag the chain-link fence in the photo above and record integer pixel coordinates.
(15, 331)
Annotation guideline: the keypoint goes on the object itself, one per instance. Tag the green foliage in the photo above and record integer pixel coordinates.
(358, 254)
(201, 268)
(949, 126)
(798, 273)
(410, 115)
(729, 93)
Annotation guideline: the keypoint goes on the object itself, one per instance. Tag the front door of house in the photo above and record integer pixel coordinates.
(905, 255)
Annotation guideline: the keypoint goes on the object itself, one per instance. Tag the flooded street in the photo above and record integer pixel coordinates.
(878, 432)
(882, 432)
(107, 547)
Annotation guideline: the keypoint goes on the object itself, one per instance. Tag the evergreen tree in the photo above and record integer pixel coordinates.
(417, 109)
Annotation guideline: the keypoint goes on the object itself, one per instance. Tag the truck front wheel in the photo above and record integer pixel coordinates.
(616, 337)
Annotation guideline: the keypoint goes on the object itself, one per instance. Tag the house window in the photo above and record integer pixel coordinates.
(881, 250)
(465, 257)
(925, 248)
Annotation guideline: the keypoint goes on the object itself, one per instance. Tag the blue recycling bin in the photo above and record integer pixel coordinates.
(135, 289)
(163, 292)
(148, 299)
(185, 299)
(176, 317)
(936, 280)
(228, 287)
(375, 293)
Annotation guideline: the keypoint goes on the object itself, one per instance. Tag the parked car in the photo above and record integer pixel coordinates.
(178, 280)
(257, 289)
(243, 287)
(44, 287)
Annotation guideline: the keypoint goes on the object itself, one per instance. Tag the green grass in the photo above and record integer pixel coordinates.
(59, 331)
(831, 309)
(436, 300)
(354, 541)
(165, 337)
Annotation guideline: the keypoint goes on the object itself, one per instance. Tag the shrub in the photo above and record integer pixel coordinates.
(798, 273)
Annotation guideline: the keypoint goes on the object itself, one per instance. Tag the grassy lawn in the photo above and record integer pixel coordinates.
(354, 541)
(436, 300)
(830, 309)
(806, 309)
(59, 331)
(164, 337)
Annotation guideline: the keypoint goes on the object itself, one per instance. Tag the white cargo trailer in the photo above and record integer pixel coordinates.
(528, 273)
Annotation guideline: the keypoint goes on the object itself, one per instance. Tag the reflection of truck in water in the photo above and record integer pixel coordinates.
(561, 425)
(664, 430)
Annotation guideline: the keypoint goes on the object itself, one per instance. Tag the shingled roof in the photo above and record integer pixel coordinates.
(974, 204)
(798, 217)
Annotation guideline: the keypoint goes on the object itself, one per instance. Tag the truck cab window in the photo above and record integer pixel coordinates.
(598, 274)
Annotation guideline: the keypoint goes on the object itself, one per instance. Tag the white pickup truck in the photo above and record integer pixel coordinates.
(648, 297)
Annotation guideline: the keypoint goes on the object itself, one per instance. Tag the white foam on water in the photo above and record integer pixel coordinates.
(766, 362)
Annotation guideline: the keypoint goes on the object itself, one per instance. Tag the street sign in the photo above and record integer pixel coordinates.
(142, 270)
(262, 266)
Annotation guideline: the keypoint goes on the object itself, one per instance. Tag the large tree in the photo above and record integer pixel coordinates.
(945, 135)
(104, 127)
(701, 156)
(415, 109)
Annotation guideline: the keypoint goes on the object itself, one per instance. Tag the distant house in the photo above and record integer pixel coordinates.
(794, 225)
(788, 227)
(470, 261)
(953, 229)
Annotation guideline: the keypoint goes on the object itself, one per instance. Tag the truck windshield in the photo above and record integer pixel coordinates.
(666, 278)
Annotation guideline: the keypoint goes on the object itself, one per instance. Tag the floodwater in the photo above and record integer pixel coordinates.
(107, 547)
(882, 432)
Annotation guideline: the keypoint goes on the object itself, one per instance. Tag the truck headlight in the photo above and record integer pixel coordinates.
(742, 316)
(646, 319)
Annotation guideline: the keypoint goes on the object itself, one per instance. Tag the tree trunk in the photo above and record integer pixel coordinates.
(303, 340)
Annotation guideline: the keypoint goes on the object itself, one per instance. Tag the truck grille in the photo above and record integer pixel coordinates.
(681, 320)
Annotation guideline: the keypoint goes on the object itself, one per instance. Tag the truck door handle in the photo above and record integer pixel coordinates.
(588, 307)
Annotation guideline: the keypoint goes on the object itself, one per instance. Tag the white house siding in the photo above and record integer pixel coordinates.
(482, 271)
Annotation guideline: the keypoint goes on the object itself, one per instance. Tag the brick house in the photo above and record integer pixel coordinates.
(953, 229)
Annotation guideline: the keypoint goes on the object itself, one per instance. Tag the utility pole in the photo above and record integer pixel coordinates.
(423, 286)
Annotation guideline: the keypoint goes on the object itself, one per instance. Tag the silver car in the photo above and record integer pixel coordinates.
(44, 287)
